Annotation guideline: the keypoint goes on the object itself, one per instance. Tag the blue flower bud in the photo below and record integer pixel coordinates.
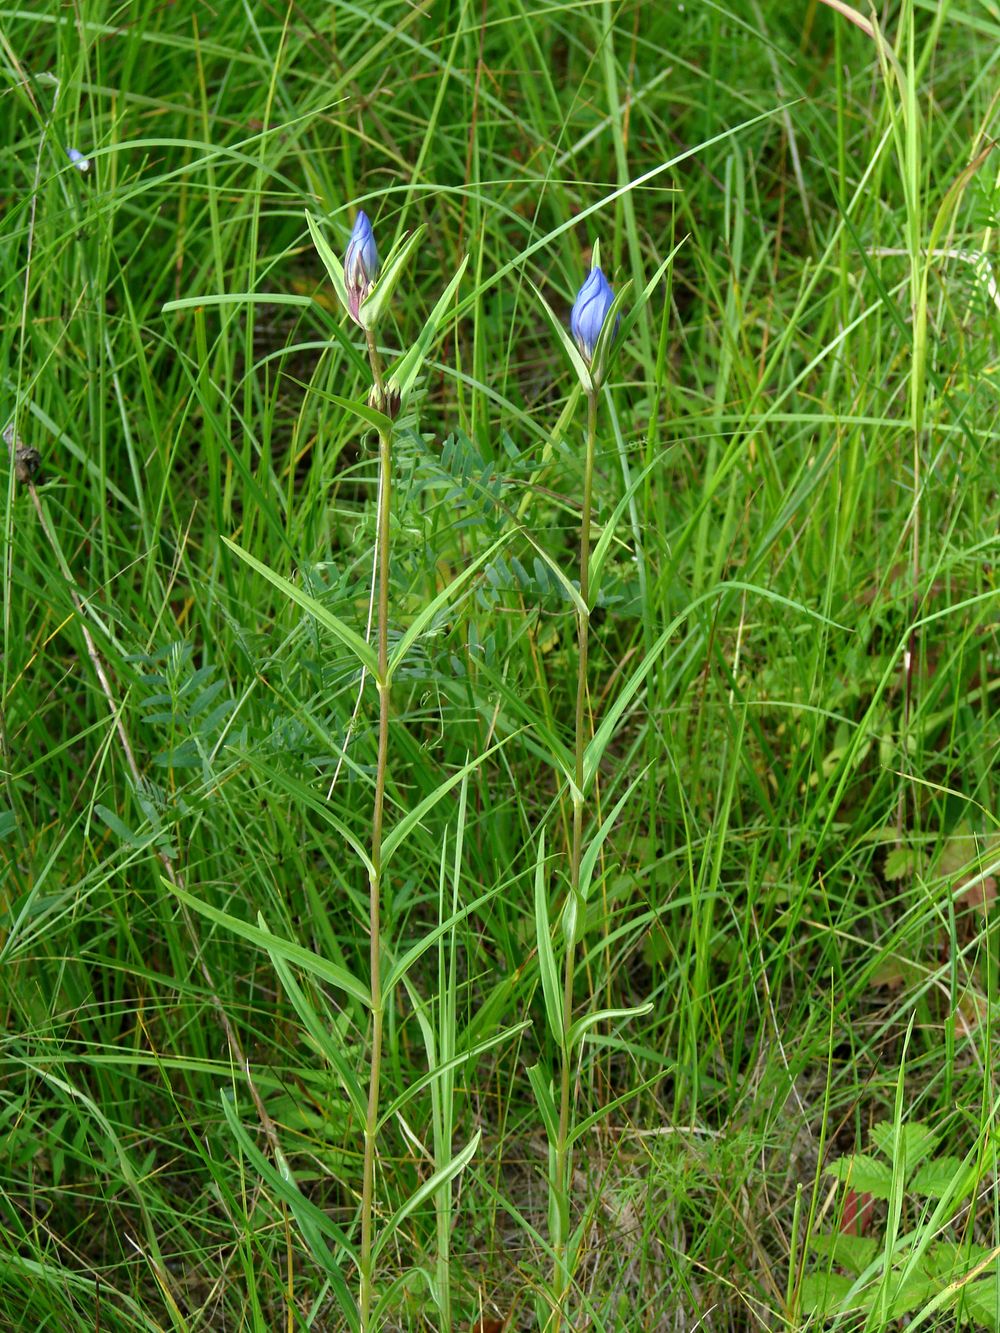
(77, 158)
(360, 264)
(590, 309)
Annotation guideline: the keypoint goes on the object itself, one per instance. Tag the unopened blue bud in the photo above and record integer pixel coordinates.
(77, 158)
(360, 264)
(590, 309)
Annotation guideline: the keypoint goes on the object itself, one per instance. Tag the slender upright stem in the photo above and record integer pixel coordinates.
(563, 1165)
(375, 879)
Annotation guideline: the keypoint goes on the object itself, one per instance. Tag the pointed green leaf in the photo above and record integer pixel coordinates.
(436, 1182)
(583, 1025)
(569, 346)
(347, 636)
(331, 973)
(414, 816)
(569, 588)
(312, 1221)
(600, 552)
(405, 371)
(369, 415)
(399, 969)
(319, 1029)
(546, 956)
(305, 796)
(333, 265)
(542, 1088)
(628, 321)
(594, 850)
(427, 614)
(446, 1066)
(609, 339)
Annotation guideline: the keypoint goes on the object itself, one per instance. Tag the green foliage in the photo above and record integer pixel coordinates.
(790, 844)
(927, 1270)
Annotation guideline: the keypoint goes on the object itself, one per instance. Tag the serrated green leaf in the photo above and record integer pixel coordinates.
(826, 1294)
(854, 1253)
(866, 1174)
(937, 1177)
(916, 1141)
(898, 863)
(982, 1301)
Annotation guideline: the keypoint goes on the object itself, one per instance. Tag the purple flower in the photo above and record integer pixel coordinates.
(590, 309)
(77, 158)
(360, 264)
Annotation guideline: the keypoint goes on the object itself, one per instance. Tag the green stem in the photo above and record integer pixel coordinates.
(375, 880)
(563, 1164)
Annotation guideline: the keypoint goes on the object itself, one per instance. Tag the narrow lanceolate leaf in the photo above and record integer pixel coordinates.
(430, 1187)
(600, 552)
(541, 1085)
(377, 420)
(347, 636)
(406, 370)
(546, 956)
(583, 1025)
(628, 321)
(569, 346)
(609, 335)
(593, 851)
(399, 970)
(333, 265)
(319, 1028)
(445, 1067)
(426, 616)
(314, 1224)
(332, 973)
(413, 817)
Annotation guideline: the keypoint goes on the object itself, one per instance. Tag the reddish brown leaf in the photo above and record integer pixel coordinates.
(857, 1218)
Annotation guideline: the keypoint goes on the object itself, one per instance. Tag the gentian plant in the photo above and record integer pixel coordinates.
(596, 334)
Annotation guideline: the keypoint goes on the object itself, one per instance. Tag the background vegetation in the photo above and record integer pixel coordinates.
(797, 462)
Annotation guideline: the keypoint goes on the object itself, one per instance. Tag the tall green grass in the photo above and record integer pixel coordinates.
(795, 641)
